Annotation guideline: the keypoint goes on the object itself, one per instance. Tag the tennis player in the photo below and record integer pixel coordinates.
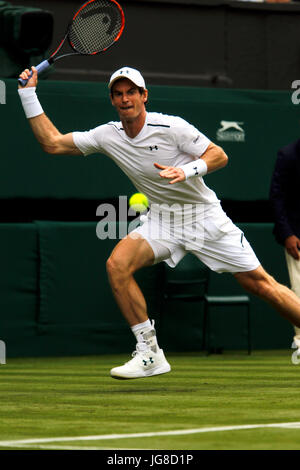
(166, 158)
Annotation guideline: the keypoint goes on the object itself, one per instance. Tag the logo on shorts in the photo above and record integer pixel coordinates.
(231, 131)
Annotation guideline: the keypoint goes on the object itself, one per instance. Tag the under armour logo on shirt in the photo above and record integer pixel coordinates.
(153, 148)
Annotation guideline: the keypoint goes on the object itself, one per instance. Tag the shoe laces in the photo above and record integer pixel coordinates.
(139, 351)
(141, 348)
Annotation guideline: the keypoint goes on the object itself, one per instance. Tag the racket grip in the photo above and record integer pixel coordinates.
(40, 68)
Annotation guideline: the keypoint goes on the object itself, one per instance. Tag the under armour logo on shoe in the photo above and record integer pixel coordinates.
(150, 361)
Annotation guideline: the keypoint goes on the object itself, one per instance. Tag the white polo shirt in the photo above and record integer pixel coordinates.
(167, 140)
(171, 141)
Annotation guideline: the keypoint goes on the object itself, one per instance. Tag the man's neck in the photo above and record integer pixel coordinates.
(133, 128)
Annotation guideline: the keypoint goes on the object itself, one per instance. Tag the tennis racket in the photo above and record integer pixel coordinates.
(97, 25)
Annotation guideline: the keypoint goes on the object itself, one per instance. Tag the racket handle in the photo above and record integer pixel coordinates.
(40, 68)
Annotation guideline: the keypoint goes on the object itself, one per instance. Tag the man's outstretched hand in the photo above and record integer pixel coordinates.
(175, 174)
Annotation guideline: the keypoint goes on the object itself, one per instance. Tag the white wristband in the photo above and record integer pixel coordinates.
(30, 102)
(194, 168)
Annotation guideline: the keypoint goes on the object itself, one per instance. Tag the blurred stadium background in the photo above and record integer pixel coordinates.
(207, 61)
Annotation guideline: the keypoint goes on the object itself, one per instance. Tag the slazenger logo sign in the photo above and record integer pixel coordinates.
(231, 131)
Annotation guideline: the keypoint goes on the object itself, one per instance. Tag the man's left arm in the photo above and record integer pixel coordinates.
(211, 160)
(214, 157)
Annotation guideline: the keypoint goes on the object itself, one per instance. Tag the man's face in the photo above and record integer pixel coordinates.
(127, 99)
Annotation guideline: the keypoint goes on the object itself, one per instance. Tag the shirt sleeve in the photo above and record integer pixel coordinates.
(189, 140)
(90, 141)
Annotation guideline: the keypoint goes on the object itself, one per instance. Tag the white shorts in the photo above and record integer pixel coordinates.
(217, 242)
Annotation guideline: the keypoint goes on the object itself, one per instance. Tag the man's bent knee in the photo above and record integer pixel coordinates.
(114, 266)
(128, 256)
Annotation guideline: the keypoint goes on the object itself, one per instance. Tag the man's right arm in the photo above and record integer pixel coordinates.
(49, 137)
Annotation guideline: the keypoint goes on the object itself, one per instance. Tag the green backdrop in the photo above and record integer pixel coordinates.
(56, 300)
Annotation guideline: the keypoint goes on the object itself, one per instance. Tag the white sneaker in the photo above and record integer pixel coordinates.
(143, 364)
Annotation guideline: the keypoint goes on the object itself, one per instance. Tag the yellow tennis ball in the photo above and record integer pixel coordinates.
(138, 202)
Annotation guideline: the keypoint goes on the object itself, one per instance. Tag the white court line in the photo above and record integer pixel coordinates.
(179, 432)
(58, 447)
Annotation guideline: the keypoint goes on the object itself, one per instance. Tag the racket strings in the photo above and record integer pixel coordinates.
(95, 27)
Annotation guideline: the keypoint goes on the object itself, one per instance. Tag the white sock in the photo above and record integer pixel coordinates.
(136, 329)
(146, 335)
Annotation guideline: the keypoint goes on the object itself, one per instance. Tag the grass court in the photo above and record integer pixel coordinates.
(219, 402)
